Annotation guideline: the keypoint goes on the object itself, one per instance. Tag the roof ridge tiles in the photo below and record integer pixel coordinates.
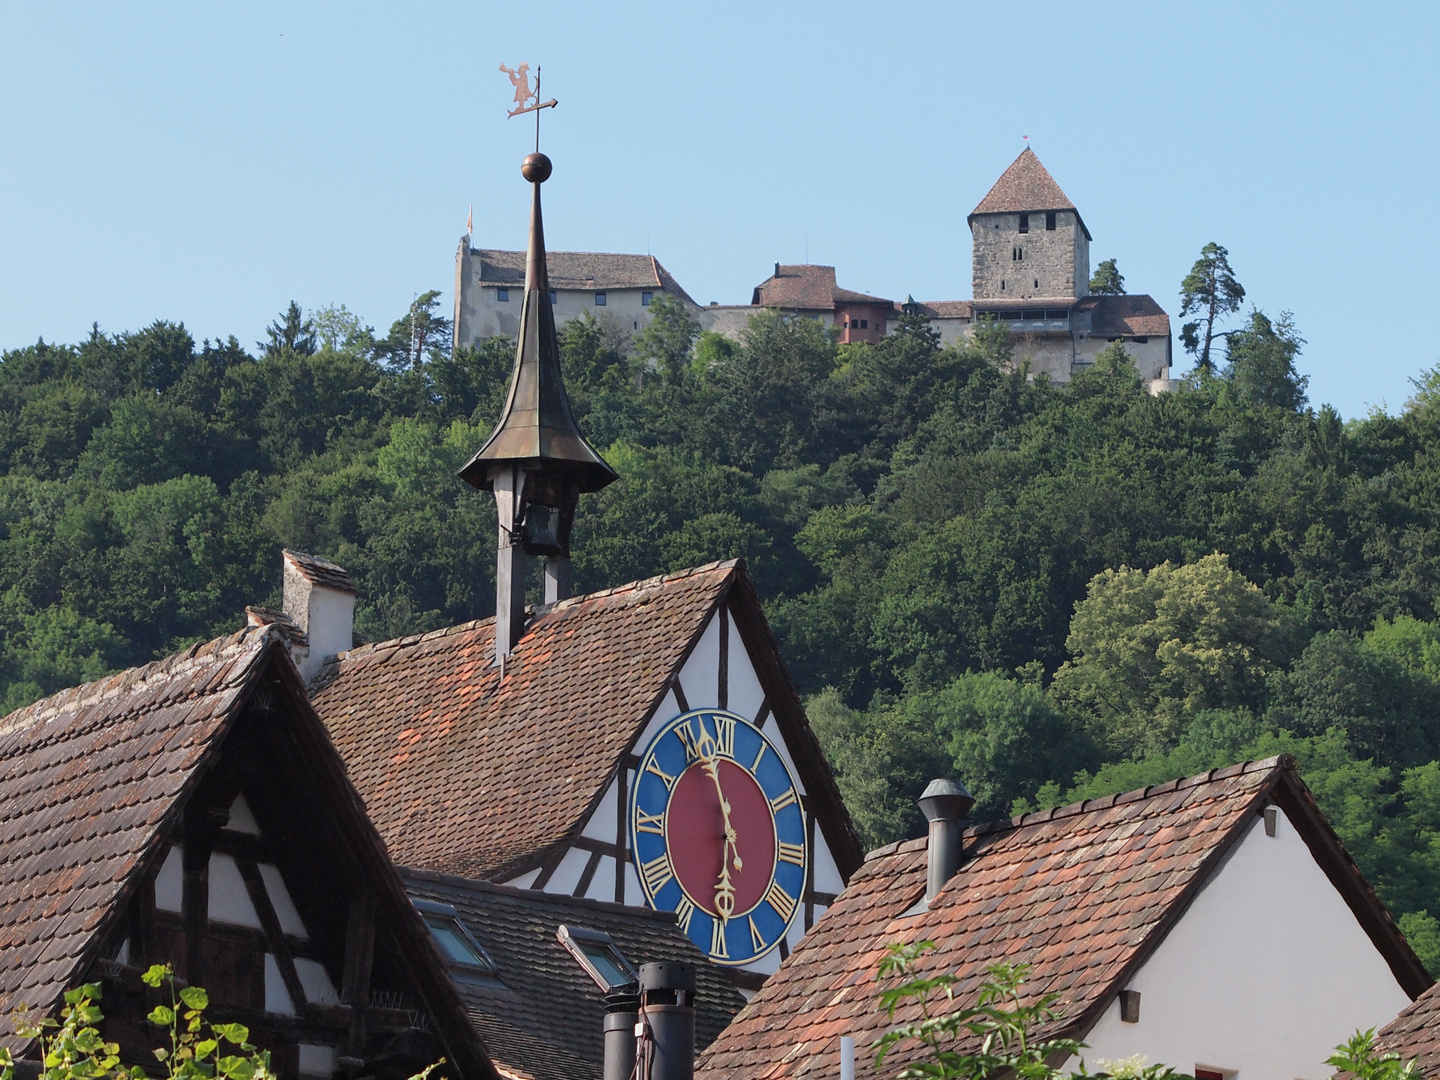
(216, 652)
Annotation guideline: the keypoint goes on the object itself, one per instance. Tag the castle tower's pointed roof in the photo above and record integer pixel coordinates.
(537, 427)
(1025, 187)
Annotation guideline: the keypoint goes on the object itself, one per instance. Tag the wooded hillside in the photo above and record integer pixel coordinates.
(1047, 592)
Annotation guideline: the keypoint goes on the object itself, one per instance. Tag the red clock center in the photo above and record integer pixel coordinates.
(695, 836)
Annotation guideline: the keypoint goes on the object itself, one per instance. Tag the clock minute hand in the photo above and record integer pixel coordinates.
(724, 890)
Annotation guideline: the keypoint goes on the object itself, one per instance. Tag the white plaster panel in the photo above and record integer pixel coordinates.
(229, 899)
(773, 734)
(317, 1060)
(746, 693)
(602, 885)
(290, 921)
(1204, 1000)
(316, 982)
(277, 998)
(767, 964)
(796, 931)
(567, 874)
(525, 880)
(601, 825)
(700, 677)
(633, 894)
(332, 621)
(170, 882)
(241, 819)
(827, 874)
(667, 710)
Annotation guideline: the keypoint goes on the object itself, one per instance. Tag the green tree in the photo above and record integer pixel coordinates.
(667, 342)
(1261, 366)
(421, 331)
(291, 332)
(1150, 649)
(1211, 291)
(1107, 280)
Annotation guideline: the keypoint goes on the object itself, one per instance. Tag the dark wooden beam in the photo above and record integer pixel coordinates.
(359, 958)
(274, 936)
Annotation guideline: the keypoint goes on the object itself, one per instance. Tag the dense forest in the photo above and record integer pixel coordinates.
(1049, 592)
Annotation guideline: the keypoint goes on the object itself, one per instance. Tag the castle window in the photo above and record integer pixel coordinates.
(1050, 221)
(1037, 282)
(503, 295)
(599, 299)
(552, 296)
(864, 324)
(1020, 253)
(645, 298)
(1024, 222)
(1002, 284)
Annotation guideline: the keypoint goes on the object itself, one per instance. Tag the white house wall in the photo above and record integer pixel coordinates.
(598, 866)
(1261, 977)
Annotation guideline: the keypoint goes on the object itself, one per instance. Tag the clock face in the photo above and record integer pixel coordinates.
(718, 834)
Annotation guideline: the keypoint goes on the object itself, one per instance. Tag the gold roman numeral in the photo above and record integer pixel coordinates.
(783, 800)
(725, 736)
(686, 734)
(684, 912)
(656, 873)
(757, 941)
(665, 778)
(792, 853)
(781, 901)
(759, 757)
(718, 948)
(653, 823)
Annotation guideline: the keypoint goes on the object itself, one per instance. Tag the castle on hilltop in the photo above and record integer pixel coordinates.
(1030, 271)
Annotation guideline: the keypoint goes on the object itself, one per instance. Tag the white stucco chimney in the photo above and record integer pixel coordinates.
(320, 598)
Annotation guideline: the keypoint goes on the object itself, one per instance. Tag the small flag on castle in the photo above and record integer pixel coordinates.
(470, 222)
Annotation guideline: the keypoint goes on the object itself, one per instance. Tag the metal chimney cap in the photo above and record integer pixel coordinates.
(946, 800)
(668, 975)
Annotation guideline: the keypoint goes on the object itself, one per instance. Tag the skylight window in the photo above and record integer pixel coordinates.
(599, 956)
(456, 942)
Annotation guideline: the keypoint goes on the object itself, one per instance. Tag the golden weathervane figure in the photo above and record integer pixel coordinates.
(527, 100)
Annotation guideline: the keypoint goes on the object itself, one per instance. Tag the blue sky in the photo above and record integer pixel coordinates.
(207, 162)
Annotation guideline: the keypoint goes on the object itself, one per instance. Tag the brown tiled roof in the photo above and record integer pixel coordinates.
(86, 779)
(321, 571)
(1126, 316)
(1026, 187)
(549, 1025)
(806, 287)
(946, 309)
(1415, 1033)
(1083, 893)
(469, 773)
(580, 270)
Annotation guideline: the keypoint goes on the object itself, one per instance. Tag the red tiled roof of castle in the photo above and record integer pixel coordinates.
(1415, 1033)
(1082, 893)
(1126, 316)
(806, 287)
(1026, 187)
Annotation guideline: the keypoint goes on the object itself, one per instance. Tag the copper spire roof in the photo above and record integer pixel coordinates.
(537, 425)
(1024, 188)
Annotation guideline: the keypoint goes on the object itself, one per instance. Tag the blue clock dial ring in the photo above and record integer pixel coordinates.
(718, 835)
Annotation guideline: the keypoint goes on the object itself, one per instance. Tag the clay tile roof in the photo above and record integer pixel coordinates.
(464, 772)
(946, 309)
(86, 779)
(321, 571)
(1114, 873)
(1126, 316)
(597, 270)
(1026, 187)
(806, 287)
(550, 1023)
(1415, 1033)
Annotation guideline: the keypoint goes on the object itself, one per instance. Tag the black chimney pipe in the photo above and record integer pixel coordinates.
(622, 1013)
(667, 1012)
(946, 805)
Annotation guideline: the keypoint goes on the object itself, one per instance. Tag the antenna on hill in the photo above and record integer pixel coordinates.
(527, 100)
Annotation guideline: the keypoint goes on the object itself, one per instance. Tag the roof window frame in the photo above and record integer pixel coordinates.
(430, 909)
(574, 938)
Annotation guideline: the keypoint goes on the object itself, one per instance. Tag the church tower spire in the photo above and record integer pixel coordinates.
(536, 461)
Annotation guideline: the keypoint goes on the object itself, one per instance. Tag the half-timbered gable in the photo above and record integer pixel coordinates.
(526, 773)
(193, 812)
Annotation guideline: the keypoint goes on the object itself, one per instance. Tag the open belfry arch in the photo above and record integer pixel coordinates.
(193, 812)
(510, 749)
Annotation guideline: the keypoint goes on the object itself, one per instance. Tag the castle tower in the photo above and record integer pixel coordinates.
(1029, 241)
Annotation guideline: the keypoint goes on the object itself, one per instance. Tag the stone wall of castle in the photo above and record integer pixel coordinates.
(1007, 264)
